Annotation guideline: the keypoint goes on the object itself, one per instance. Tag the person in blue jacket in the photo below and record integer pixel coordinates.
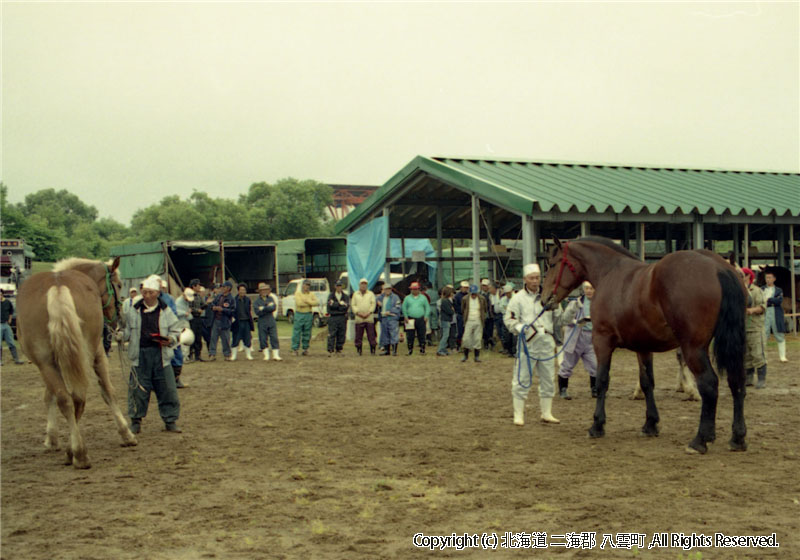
(390, 312)
(224, 308)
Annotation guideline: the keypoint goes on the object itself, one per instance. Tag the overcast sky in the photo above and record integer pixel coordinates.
(124, 103)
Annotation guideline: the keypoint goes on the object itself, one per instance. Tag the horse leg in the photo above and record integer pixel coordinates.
(603, 366)
(647, 383)
(738, 429)
(107, 390)
(707, 386)
(71, 406)
(51, 433)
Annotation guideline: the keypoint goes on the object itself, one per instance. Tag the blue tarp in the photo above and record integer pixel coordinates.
(366, 252)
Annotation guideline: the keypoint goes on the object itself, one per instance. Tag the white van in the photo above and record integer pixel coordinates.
(319, 287)
(395, 277)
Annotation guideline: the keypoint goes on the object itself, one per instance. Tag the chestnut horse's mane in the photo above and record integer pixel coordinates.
(610, 244)
(73, 262)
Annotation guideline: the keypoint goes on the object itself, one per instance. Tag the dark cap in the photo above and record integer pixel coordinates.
(194, 282)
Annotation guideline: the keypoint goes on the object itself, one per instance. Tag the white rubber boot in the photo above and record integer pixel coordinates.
(276, 354)
(233, 354)
(266, 354)
(248, 352)
(546, 403)
(519, 411)
(782, 351)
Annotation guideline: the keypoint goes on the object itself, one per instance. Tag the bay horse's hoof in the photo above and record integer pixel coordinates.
(650, 431)
(737, 446)
(596, 432)
(696, 447)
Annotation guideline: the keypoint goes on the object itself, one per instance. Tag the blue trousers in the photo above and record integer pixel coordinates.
(8, 337)
(151, 376)
(390, 331)
(444, 341)
(225, 335)
(268, 331)
(241, 333)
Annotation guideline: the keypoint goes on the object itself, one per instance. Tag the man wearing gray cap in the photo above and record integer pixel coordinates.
(338, 306)
(363, 305)
(224, 308)
(535, 329)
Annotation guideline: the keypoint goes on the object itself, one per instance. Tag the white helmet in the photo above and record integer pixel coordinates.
(187, 337)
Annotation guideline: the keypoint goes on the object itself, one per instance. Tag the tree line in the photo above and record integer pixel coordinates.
(58, 224)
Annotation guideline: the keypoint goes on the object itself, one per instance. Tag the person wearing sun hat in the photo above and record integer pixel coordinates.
(473, 308)
(363, 304)
(416, 310)
(525, 318)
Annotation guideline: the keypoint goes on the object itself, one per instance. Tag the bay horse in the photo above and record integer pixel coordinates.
(684, 300)
(60, 324)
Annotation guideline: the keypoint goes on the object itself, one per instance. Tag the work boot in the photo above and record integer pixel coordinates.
(385, 351)
(136, 425)
(466, 356)
(546, 404)
(519, 411)
(477, 354)
(233, 355)
(593, 385)
(266, 354)
(15, 355)
(248, 352)
(782, 352)
(305, 352)
(421, 348)
(410, 348)
(563, 383)
(394, 349)
(358, 349)
(372, 348)
(295, 353)
(762, 377)
(172, 427)
(748, 381)
(276, 355)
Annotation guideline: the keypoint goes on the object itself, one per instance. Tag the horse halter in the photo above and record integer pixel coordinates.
(564, 262)
(111, 291)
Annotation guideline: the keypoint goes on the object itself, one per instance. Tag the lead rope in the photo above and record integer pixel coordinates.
(523, 347)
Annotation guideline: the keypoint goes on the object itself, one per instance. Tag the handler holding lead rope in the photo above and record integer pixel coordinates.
(525, 317)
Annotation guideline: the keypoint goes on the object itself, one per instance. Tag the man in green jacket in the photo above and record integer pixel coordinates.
(416, 310)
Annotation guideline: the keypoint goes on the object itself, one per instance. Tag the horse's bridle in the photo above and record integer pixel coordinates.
(110, 290)
(564, 262)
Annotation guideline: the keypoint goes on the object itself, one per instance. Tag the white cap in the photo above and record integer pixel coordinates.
(132, 290)
(187, 337)
(531, 269)
(152, 282)
(363, 281)
(508, 288)
(163, 283)
(485, 282)
(188, 293)
(464, 284)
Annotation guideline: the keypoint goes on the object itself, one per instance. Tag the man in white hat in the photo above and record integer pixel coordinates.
(363, 306)
(524, 317)
(266, 305)
(128, 303)
(153, 331)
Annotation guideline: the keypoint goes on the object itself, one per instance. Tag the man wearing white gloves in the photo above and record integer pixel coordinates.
(522, 317)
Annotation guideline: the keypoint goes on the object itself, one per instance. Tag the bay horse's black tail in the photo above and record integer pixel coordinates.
(729, 332)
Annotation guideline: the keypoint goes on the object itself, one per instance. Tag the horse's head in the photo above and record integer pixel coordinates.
(111, 298)
(564, 274)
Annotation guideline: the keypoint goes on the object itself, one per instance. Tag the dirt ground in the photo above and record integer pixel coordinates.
(351, 457)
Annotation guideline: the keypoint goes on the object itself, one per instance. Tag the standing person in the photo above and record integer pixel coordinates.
(508, 337)
(773, 320)
(224, 308)
(242, 324)
(416, 310)
(177, 355)
(6, 312)
(473, 308)
(196, 322)
(391, 308)
(266, 306)
(305, 302)
(525, 307)
(183, 313)
(338, 307)
(209, 313)
(578, 318)
(496, 294)
(363, 305)
(128, 303)
(487, 289)
(152, 330)
(755, 357)
(462, 292)
(446, 318)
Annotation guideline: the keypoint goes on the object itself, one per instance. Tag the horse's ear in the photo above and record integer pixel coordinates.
(114, 265)
(557, 241)
(732, 259)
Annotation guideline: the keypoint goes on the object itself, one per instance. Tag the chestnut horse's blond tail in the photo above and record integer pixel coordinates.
(70, 354)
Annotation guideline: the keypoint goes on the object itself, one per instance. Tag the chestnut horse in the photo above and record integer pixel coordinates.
(60, 324)
(683, 301)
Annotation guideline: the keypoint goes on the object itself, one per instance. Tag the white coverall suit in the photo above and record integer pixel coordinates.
(522, 310)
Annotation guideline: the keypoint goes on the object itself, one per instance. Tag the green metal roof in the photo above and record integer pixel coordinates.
(525, 186)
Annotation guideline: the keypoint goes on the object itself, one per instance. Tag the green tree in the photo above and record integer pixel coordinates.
(287, 209)
(14, 224)
(59, 210)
